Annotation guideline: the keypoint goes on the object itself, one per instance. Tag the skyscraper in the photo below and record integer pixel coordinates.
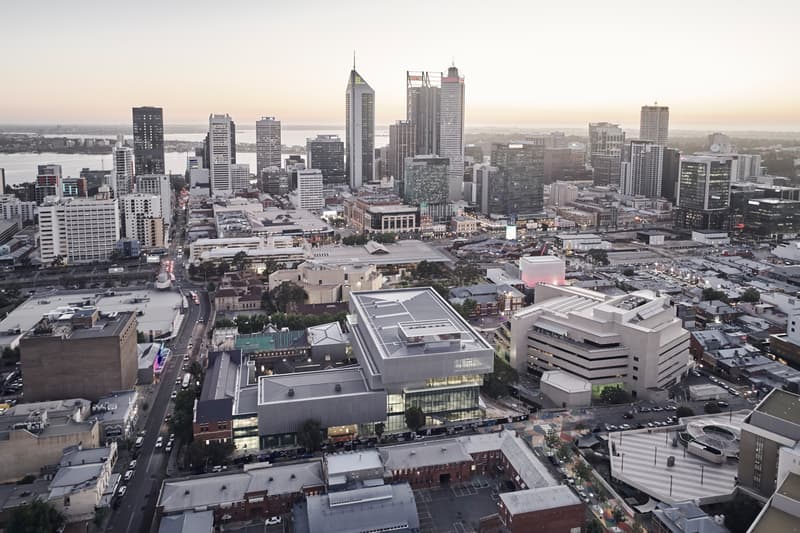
(360, 129)
(704, 191)
(326, 153)
(402, 144)
(654, 124)
(148, 140)
(426, 180)
(309, 189)
(669, 173)
(48, 182)
(518, 189)
(451, 130)
(606, 142)
(423, 98)
(221, 141)
(268, 143)
(121, 170)
(642, 170)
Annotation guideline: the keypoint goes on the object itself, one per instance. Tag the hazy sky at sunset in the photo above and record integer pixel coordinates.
(717, 64)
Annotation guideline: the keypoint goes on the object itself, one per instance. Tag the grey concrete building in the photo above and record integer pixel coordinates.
(79, 354)
(517, 190)
(326, 153)
(148, 140)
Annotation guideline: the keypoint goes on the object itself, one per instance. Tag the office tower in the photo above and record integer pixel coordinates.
(423, 98)
(669, 173)
(703, 194)
(640, 173)
(74, 188)
(326, 154)
(473, 152)
(48, 182)
(518, 191)
(221, 143)
(426, 180)
(654, 124)
(79, 230)
(148, 140)
(275, 181)
(309, 189)
(483, 176)
(402, 145)
(121, 170)
(79, 355)
(240, 177)
(451, 129)
(564, 163)
(268, 143)
(719, 143)
(158, 185)
(2, 181)
(142, 219)
(360, 129)
(95, 179)
(606, 142)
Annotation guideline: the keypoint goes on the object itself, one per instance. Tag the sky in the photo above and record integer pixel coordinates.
(526, 63)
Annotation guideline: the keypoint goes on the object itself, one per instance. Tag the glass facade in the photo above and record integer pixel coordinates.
(518, 188)
(245, 433)
(442, 400)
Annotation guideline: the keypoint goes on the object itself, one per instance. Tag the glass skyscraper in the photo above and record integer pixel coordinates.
(148, 140)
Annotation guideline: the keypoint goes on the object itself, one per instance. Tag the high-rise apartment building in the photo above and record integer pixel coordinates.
(48, 182)
(220, 152)
(326, 154)
(426, 180)
(240, 177)
(402, 144)
(79, 230)
(423, 98)
(158, 185)
(451, 129)
(121, 170)
(309, 189)
(148, 140)
(654, 124)
(641, 172)
(268, 143)
(606, 143)
(519, 189)
(703, 192)
(360, 129)
(484, 175)
(74, 188)
(142, 219)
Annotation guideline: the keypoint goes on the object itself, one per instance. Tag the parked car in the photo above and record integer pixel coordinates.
(273, 521)
(128, 475)
(132, 465)
(159, 441)
(173, 395)
(122, 490)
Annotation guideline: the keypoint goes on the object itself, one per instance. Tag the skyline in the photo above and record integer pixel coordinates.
(524, 65)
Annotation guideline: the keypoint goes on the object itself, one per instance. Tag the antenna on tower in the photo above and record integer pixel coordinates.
(453, 61)
(354, 59)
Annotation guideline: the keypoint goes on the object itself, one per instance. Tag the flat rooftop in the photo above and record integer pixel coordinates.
(301, 386)
(532, 500)
(399, 253)
(343, 463)
(781, 404)
(408, 322)
(565, 381)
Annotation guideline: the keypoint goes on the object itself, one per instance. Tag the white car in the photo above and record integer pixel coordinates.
(273, 521)
(173, 395)
(128, 475)
(159, 442)
(122, 490)
(132, 466)
(186, 357)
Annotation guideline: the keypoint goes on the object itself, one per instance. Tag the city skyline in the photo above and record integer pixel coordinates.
(506, 86)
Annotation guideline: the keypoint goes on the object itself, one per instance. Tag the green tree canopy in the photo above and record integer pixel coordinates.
(285, 294)
(598, 257)
(751, 295)
(503, 376)
(415, 418)
(712, 408)
(37, 517)
(380, 427)
(710, 293)
(684, 411)
(309, 436)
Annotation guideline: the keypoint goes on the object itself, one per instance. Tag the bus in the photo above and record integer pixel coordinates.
(187, 378)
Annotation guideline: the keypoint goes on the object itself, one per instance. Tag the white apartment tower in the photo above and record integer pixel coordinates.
(142, 219)
(158, 185)
(221, 149)
(654, 124)
(451, 130)
(268, 143)
(309, 189)
(79, 230)
(122, 170)
(359, 130)
(642, 171)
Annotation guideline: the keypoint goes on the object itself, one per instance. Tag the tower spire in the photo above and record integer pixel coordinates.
(354, 59)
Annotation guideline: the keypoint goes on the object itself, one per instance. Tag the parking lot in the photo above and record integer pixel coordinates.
(457, 508)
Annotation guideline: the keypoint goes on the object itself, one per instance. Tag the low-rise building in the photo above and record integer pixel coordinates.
(711, 237)
(544, 510)
(683, 517)
(463, 225)
(489, 299)
(581, 242)
(83, 477)
(565, 389)
(324, 283)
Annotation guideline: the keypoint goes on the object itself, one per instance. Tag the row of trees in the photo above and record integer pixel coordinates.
(293, 321)
(363, 238)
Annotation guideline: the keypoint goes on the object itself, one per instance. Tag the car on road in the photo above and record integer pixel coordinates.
(139, 442)
(128, 475)
(132, 465)
(122, 490)
(178, 381)
(273, 521)
(167, 419)
(695, 373)
(186, 357)
(723, 403)
(628, 415)
(189, 347)
(173, 395)
(159, 441)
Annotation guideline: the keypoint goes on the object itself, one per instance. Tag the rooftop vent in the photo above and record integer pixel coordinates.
(338, 387)
(291, 392)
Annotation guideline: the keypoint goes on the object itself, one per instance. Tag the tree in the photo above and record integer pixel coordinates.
(466, 273)
(287, 293)
(503, 376)
(583, 471)
(619, 516)
(710, 293)
(211, 286)
(598, 257)
(595, 526)
(466, 308)
(239, 260)
(270, 266)
(684, 411)
(36, 517)
(222, 268)
(712, 408)
(427, 270)
(183, 414)
(57, 261)
(415, 418)
(380, 427)
(309, 436)
(614, 395)
(564, 452)
(628, 272)
(751, 295)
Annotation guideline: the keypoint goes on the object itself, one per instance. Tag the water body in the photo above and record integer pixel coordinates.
(21, 167)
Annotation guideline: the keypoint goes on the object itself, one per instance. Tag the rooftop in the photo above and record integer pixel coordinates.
(267, 342)
(330, 333)
(342, 463)
(302, 386)
(566, 381)
(781, 404)
(399, 253)
(381, 508)
(188, 522)
(532, 500)
(418, 455)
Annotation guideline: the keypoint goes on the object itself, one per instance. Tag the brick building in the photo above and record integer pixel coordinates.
(545, 510)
